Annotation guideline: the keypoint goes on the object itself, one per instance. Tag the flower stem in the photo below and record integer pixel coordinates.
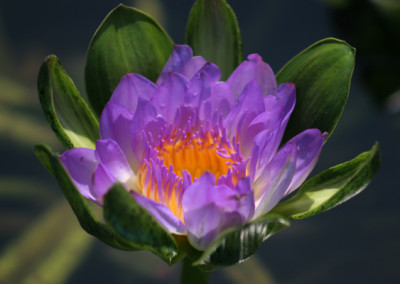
(192, 275)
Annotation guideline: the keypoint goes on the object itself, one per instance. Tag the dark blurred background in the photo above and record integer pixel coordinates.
(358, 242)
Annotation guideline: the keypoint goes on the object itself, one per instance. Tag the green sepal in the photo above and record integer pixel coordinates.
(87, 220)
(135, 224)
(322, 75)
(235, 245)
(331, 187)
(213, 32)
(127, 41)
(66, 111)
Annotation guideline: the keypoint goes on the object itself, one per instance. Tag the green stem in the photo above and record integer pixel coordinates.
(192, 275)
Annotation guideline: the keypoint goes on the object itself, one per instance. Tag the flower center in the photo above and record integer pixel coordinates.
(197, 153)
(179, 156)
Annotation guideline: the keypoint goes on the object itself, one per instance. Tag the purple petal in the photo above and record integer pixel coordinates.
(250, 104)
(210, 209)
(274, 180)
(182, 61)
(113, 159)
(81, 163)
(287, 98)
(115, 121)
(161, 213)
(206, 224)
(102, 182)
(308, 146)
(201, 84)
(221, 101)
(170, 95)
(130, 88)
(253, 69)
(145, 113)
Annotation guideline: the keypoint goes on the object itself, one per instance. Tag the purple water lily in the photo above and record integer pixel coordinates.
(201, 155)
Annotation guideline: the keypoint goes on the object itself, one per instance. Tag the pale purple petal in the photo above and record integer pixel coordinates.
(161, 213)
(274, 181)
(113, 159)
(205, 224)
(130, 88)
(210, 209)
(201, 84)
(182, 61)
(145, 113)
(253, 69)
(250, 104)
(287, 99)
(308, 146)
(81, 163)
(115, 122)
(220, 101)
(246, 199)
(103, 180)
(170, 95)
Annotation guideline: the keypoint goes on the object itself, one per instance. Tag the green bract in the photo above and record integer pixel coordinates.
(131, 41)
(213, 32)
(322, 75)
(127, 41)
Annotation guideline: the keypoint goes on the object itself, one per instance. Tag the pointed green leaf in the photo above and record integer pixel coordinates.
(332, 187)
(79, 205)
(136, 225)
(127, 41)
(66, 111)
(322, 75)
(237, 244)
(213, 32)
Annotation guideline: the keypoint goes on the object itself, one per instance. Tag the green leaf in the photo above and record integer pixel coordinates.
(322, 75)
(213, 32)
(136, 225)
(66, 111)
(79, 205)
(237, 244)
(127, 41)
(332, 187)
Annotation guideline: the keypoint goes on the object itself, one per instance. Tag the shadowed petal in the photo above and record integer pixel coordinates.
(81, 164)
(287, 99)
(103, 180)
(130, 88)
(115, 121)
(145, 113)
(182, 61)
(253, 69)
(209, 209)
(161, 213)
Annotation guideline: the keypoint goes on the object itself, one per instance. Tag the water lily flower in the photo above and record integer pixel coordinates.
(201, 155)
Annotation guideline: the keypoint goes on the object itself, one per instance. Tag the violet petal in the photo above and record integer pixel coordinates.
(182, 61)
(114, 122)
(81, 164)
(308, 147)
(253, 69)
(130, 88)
(161, 213)
(274, 181)
(111, 156)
